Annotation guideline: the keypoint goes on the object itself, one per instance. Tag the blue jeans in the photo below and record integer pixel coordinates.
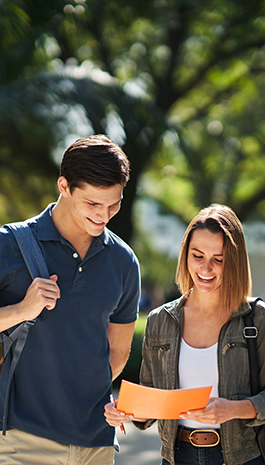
(190, 455)
(187, 454)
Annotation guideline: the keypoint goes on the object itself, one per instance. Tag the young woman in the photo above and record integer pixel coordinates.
(198, 340)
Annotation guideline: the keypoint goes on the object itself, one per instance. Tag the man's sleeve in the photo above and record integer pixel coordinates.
(128, 307)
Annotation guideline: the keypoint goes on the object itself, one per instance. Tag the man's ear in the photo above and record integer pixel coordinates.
(63, 186)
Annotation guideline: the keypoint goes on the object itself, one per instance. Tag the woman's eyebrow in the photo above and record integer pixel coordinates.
(215, 254)
(195, 248)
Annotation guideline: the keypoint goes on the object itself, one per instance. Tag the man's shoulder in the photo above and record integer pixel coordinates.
(28, 222)
(117, 244)
(41, 218)
(7, 238)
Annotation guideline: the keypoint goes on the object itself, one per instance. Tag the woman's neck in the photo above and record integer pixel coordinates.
(204, 302)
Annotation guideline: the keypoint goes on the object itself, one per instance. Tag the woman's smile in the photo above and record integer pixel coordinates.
(204, 278)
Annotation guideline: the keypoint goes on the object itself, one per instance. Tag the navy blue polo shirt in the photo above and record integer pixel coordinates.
(63, 378)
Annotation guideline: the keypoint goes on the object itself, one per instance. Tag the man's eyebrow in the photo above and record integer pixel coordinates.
(98, 203)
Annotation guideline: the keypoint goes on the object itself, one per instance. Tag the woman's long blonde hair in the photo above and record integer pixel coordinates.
(236, 281)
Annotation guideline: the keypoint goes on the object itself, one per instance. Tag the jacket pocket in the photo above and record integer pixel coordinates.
(163, 360)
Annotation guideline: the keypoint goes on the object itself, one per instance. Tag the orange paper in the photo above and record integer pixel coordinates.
(146, 402)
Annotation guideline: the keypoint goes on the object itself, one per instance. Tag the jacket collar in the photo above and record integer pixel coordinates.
(175, 308)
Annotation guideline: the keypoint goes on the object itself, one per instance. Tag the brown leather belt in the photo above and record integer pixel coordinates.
(201, 437)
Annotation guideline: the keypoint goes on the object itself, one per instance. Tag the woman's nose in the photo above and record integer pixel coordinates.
(207, 266)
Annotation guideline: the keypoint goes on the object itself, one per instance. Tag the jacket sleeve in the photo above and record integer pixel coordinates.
(259, 399)
(146, 375)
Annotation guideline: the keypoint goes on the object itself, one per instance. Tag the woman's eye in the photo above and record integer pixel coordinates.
(218, 261)
(197, 256)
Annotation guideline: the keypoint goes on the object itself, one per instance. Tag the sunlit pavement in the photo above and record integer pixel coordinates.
(138, 447)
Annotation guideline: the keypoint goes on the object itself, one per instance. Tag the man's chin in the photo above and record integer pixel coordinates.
(96, 231)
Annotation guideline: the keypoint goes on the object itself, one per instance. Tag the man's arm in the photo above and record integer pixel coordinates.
(120, 339)
(41, 293)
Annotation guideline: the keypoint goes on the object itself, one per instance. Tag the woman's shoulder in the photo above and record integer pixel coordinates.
(259, 312)
(257, 303)
(172, 308)
(260, 305)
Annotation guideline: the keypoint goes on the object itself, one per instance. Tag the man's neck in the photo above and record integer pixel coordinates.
(79, 239)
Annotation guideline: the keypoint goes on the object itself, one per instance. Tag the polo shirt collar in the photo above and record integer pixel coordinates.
(46, 227)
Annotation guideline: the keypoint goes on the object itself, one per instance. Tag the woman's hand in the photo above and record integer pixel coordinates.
(219, 410)
(114, 417)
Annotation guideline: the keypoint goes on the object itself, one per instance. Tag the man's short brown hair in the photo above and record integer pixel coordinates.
(94, 160)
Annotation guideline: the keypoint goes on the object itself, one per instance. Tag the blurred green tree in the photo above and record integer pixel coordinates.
(178, 83)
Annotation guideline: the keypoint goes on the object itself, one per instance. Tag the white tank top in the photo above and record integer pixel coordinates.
(198, 368)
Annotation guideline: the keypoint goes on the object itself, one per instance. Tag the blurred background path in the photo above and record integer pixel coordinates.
(138, 447)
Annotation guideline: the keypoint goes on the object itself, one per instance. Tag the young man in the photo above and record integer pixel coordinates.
(86, 314)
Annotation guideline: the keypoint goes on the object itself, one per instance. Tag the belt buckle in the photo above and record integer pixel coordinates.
(204, 431)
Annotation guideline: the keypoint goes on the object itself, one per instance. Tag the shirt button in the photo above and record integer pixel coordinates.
(80, 269)
(75, 255)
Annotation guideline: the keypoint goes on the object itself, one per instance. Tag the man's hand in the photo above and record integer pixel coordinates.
(40, 294)
(114, 417)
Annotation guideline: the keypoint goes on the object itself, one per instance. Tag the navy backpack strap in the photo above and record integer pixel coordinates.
(30, 249)
(34, 260)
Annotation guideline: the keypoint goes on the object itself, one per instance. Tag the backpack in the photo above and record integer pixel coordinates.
(34, 260)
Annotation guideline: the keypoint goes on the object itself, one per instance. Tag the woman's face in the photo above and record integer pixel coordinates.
(205, 260)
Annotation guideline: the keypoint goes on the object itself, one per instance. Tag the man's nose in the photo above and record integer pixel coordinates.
(105, 214)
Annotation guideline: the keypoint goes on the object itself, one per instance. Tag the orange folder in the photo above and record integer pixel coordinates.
(147, 402)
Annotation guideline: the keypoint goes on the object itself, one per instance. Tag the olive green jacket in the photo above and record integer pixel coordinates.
(159, 369)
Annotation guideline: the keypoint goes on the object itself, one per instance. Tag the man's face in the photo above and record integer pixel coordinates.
(90, 208)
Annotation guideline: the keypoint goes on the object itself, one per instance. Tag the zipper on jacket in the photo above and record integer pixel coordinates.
(178, 348)
(219, 361)
(161, 348)
(230, 345)
(176, 364)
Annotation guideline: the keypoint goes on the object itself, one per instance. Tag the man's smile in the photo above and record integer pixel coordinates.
(96, 222)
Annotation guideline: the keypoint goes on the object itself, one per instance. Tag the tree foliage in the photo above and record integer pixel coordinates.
(178, 83)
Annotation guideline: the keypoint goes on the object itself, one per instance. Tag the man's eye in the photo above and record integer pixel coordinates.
(116, 205)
